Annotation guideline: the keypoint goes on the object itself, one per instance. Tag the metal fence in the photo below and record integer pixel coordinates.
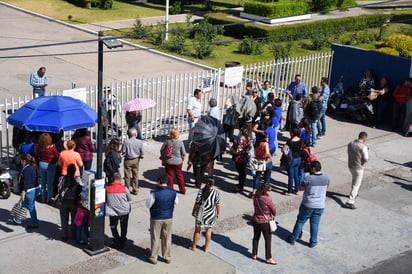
(172, 93)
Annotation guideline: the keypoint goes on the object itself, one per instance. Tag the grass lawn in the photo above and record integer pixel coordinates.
(61, 9)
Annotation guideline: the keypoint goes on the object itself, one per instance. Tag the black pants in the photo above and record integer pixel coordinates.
(241, 169)
(119, 240)
(265, 230)
(198, 172)
(68, 209)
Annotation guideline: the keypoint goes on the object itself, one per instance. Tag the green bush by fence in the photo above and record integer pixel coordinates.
(104, 4)
(309, 30)
(276, 9)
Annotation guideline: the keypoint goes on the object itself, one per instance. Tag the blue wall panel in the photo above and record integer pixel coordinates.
(352, 63)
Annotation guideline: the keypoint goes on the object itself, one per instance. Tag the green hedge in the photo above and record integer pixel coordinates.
(275, 10)
(309, 30)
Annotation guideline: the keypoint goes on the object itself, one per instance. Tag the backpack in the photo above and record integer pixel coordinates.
(309, 158)
(166, 153)
(315, 108)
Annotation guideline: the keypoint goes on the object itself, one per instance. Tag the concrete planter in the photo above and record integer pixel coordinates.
(267, 20)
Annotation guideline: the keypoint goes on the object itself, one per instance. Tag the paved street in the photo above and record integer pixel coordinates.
(69, 62)
(349, 241)
(370, 238)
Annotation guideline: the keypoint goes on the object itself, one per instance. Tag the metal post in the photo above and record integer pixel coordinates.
(97, 214)
(167, 21)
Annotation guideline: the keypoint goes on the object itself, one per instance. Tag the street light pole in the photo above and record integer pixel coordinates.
(167, 21)
(96, 207)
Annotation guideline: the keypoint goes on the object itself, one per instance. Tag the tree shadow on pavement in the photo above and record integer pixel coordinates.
(336, 197)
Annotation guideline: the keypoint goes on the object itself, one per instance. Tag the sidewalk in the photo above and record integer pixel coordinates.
(380, 227)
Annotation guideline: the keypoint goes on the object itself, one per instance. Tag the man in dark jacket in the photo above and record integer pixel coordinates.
(118, 209)
(161, 203)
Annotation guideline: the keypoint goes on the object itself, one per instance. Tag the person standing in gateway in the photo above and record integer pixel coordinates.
(357, 158)
(39, 82)
(194, 108)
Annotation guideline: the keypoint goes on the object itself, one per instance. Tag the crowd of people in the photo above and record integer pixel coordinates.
(256, 113)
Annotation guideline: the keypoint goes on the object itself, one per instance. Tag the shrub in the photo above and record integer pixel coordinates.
(176, 8)
(177, 42)
(345, 3)
(322, 5)
(390, 51)
(297, 31)
(250, 47)
(205, 36)
(274, 10)
(106, 4)
(280, 51)
(320, 42)
(139, 29)
(401, 43)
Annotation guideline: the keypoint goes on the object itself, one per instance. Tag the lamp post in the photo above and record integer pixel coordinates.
(97, 187)
(167, 21)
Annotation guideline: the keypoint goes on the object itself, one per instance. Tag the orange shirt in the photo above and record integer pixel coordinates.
(68, 157)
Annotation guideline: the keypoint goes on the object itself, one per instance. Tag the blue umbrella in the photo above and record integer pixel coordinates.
(53, 113)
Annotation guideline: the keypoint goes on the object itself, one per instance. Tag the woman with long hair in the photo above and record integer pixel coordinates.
(207, 208)
(264, 211)
(262, 153)
(69, 195)
(84, 146)
(174, 164)
(294, 145)
(113, 159)
(29, 188)
(48, 156)
(240, 155)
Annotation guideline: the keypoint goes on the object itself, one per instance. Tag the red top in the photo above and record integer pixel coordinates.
(260, 151)
(402, 94)
(267, 206)
(49, 155)
(85, 147)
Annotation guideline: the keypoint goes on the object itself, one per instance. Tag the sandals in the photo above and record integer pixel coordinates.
(254, 257)
(272, 261)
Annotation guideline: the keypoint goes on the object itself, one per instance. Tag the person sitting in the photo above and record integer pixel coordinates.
(366, 83)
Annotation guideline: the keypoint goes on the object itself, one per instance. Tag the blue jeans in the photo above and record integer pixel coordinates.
(294, 174)
(304, 214)
(38, 93)
(28, 202)
(87, 165)
(314, 132)
(321, 126)
(268, 174)
(191, 126)
(47, 173)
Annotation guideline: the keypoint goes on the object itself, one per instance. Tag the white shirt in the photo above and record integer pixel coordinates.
(195, 106)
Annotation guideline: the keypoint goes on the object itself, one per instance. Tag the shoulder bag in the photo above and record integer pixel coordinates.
(272, 223)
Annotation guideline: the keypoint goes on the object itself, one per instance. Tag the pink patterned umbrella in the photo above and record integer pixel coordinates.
(138, 104)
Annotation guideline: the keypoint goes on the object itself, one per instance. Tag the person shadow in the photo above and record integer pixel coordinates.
(337, 197)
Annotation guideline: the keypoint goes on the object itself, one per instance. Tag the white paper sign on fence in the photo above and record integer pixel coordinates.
(78, 93)
(233, 76)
